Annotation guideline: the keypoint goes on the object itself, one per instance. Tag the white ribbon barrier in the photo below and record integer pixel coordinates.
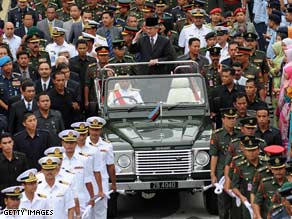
(87, 210)
(249, 208)
(237, 199)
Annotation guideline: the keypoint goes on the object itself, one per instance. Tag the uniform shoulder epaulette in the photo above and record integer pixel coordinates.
(237, 157)
(242, 162)
(111, 59)
(218, 130)
(85, 7)
(68, 171)
(235, 140)
(83, 154)
(133, 8)
(42, 195)
(186, 26)
(129, 57)
(260, 139)
(267, 179)
(60, 9)
(262, 168)
(236, 127)
(92, 64)
(38, 3)
(173, 31)
(64, 182)
(177, 7)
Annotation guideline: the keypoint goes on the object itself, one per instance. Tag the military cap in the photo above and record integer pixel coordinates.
(55, 152)
(13, 191)
(49, 163)
(166, 17)
(245, 138)
(69, 135)
(250, 36)
(243, 50)
(249, 122)
(221, 30)
(81, 127)
(238, 10)
(160, 3)
(27, 176)
(110, 8)
(215, 11)
(4, 60)
(210, 35)
(91, 24)
(251, 144)
(87, 36)
(22, 0)
(201, 3)
(238, 34)
(58, 31)
(151, 22)
(227, 14)
(118, 44)
(215, 51)
(96, 122)
(274, 150)
(277, 162)
(289, 7)
(129, 30)
(198, 13)
(148, 7)
(102, 50)
(286, 189)
(124, 3)
(228, 112)
(188, 7)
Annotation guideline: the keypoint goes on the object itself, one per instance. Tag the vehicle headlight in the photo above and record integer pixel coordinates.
(202, 158)
(124, 161)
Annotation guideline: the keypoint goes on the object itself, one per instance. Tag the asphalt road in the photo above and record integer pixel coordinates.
(165, 205)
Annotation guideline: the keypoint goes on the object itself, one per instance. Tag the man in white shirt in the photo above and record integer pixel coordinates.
(59, 43)
(107, 164)
(11, 39)
(58, 194)
(222, 37)
(238, 78)
(30, 200)
(196, 29)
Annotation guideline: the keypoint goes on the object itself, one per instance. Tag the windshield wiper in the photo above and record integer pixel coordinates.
(177, 104)
(139, 104)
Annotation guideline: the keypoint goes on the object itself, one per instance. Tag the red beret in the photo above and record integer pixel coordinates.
(274, 150)
(239, 10)
(216, 10)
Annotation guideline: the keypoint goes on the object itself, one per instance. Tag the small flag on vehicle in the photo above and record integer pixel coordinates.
(154, 113)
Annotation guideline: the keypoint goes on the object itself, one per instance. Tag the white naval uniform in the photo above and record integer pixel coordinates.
(53, 49)
(59, 196)
(107, 156)
(79, 165)
(3, 216)
(224, 54)
(191, 31)
(38, 203)
(130, 92)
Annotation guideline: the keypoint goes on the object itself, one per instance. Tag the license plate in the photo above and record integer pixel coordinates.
(164, 185)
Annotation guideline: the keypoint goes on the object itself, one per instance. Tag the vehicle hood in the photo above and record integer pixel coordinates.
(170, 132)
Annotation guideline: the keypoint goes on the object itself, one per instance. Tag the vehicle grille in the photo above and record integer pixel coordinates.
(163, 162)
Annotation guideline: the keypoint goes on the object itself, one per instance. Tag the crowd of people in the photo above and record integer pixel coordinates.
(52, 52)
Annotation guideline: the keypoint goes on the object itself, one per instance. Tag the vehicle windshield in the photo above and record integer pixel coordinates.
(180, 90)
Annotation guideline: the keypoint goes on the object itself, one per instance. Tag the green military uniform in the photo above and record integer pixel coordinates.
(253, 72)
(123, 70)
(63, 15)
(91, 75)
(246, 27)
(96, 12)
(34, 61)
(259, 59)
(41, 9)
(138, 13)
(80, 3)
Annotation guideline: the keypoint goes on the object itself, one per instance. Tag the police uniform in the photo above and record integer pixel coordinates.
(122, 70)
(15, 15)
(107, 156)
(59, 197)
(53, 48)
(268, 186)
(12, 192)
(80, 166)
(244, 173)
(38, 202)
(220, 139)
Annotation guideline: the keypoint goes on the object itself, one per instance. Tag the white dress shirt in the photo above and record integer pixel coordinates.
(14, 43)
(26, 104)
(45, 82)
(224, 54)
(133, 94)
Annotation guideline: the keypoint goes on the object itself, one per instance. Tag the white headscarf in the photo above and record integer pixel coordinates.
(287, 41)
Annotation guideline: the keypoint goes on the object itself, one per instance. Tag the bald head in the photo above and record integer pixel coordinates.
(9, 29)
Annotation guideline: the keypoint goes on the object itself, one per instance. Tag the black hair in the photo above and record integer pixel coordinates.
(20, 53)
(5, 135)
(26, 115)
(80, 41)
(27, 83)
(193, 39)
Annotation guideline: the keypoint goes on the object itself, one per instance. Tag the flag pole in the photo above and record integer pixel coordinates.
(161, 134)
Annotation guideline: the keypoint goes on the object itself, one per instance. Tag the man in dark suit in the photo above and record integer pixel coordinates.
(152, 48)
(45, 83)
(46, 25)
(63, 59)
(18, 109)
(28, 21)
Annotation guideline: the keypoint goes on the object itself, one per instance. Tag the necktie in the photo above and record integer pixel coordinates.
(44, 86)
(109, 42)
(50, 28)
(152, 42)
(28, 107)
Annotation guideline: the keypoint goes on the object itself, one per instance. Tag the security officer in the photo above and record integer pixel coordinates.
(63, 13)
(36, 55)
(120, 57)
(218, 149)
(244, 172)
(41, 8)
(268, 186)
(128, 35)
(58, 195)
(9, 83)
(12, 200)
(107, 164)
(95, 8)
(30, 199)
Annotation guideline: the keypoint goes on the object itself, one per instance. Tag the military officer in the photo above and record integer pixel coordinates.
(63, 13)
(107, 164)
(218, 149)
(41, 7)
(58, 195)
(244, 172)
(91, 27)
(124, 10)
(120, 57)
(211, 41)
(268, 186)
(128, 35)
(30, 199)
(36, 55)
(9, 83)
(137, 9)
(95, 8)
(12, 200)
(178, 12)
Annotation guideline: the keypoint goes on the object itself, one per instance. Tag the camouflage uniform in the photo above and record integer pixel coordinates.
(42, 56)
(123, 70)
